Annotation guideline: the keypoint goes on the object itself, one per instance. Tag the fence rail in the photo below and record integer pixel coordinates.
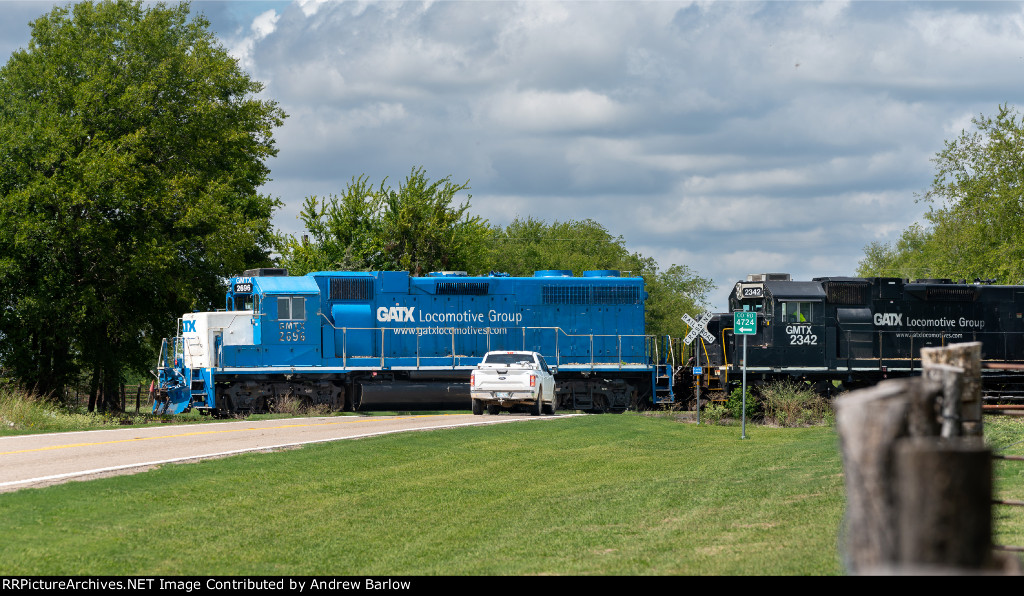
(130, 397)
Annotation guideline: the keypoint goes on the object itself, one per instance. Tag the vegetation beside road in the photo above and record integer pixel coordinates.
(626, 495)
(24, 414)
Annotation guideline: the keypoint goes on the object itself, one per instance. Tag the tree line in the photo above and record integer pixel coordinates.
(423, 227)
(974, 224)
(133, 151)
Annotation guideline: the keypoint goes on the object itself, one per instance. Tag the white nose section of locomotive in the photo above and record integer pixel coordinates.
(200, 331)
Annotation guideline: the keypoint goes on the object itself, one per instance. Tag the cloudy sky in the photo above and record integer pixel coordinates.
(732, 137)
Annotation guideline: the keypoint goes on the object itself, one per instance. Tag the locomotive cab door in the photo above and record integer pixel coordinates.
(800, 334)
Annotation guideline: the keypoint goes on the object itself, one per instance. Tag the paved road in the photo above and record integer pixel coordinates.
(41, 460)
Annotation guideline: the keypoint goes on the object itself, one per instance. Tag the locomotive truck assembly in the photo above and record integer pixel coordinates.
(386, 340)
(853, 332)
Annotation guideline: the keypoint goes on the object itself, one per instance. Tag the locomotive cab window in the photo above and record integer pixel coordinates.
(797, 312)
(243, 302)
(291, 308)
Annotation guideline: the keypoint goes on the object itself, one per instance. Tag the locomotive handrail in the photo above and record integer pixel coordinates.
(455, 358)
(725, 354)
(161, 357)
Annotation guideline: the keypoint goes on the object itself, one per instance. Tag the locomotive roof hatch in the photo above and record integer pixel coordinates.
(761, 277)
(266, 272)
(285, 285)
(807, 291)
(942, 290)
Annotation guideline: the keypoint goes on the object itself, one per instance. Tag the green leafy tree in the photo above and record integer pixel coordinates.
(910, 257)
(529, 245)
(133, 148)
(417, 228)
(674, 292)
(977, 197)
(975, 219)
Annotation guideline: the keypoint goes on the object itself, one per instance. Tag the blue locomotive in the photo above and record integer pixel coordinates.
(386, 340)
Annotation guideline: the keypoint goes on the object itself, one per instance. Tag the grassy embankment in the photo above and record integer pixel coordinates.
(624, 495)
(594, 495)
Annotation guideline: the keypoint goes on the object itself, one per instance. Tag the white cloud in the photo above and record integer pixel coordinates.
(551, 111)
(311, 7)
(734, 137)
(264, 24)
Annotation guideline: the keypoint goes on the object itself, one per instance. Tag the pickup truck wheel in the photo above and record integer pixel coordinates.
(478, 409)
(538, 408)
(493, 410)
(551, 408)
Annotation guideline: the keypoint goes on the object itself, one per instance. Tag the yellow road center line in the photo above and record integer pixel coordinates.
(213, 432)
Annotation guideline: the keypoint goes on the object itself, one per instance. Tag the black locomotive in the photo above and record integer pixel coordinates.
(847, 332)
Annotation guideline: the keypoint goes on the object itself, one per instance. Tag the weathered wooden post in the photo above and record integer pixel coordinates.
(919, 495)
(943, 504)
(869, 421)
(966, 356)
(950, 382)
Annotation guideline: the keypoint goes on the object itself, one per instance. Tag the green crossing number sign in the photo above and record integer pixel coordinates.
(744, 323)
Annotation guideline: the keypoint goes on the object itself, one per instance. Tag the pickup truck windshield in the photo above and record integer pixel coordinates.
(508, 358)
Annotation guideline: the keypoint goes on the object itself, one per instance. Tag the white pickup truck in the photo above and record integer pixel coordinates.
(508, 380)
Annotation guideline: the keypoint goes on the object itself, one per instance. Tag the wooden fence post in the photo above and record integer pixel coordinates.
(918, 476)
(968, 357)
(944, 504)
(869, 421)
(949, 380)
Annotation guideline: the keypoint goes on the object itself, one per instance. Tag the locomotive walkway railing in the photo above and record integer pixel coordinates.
(864, 350)
(904, 347)
(630, 350)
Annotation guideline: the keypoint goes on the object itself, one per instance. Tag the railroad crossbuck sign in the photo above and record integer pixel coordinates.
(698, 328)
(744, 323)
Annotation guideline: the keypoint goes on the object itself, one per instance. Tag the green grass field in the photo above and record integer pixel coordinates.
(596, 495)
(621, 494)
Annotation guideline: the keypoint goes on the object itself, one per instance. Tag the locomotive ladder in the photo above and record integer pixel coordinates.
(663, 374)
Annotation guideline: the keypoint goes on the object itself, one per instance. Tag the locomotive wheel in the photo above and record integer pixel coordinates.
(478, 408)
(599, 405)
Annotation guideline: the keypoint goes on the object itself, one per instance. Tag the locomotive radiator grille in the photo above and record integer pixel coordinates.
(351, 288)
